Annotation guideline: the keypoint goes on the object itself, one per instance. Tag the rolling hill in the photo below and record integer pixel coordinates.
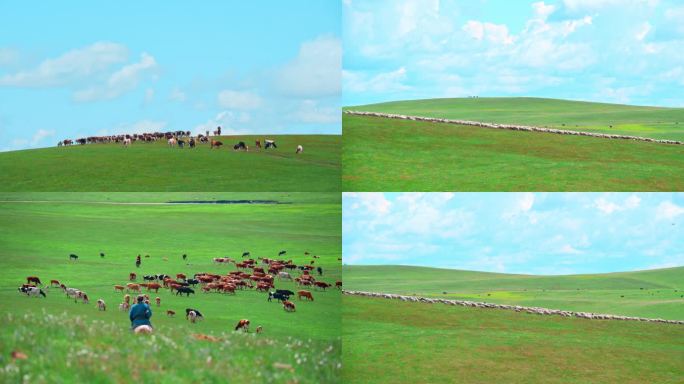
(153, 167)
(651, 293)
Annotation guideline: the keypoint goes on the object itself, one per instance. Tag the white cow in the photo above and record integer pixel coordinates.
(284, 275)
(300, 149)
(127, 142)
(101, 306)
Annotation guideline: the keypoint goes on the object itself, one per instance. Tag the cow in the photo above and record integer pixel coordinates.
(259, 329)
(192, 316)
(153, 287)
(172, 142)
(101, 306)
(240, 146)
(149, 277)
(73, 257)
(192, 142)
(282, 253)
(118, 288)
(320, 284)
(170, 313)
(124, 306)
(132, 287)
(278, 296)
(286, 292)
(127, 142)
(288, 306)
(185, 290)
(32, 291)
(85, 298)
(181, 143)
(127, 299)
(102, 255)
(284, 275)
(132, 276)
(319, 270)
(54, 282)
(338, 284)
(245, 254)
(299, 150)
(305, 294)
(215, 143)
(198, 314)
(192, 282)
(185, 256)
(33, 279)
(180, 276)
(269, 144)
(158, 301)
(242, 324)
(257, 144)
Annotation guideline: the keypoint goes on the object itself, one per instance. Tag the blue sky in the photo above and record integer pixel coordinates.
(536, 233)
(75, 69)
(619, 51)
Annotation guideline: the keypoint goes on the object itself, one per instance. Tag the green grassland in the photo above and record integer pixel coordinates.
(155, 167)
(37, 237)
(654, 122)
(653, 293)
(382, 154)
(389, 341)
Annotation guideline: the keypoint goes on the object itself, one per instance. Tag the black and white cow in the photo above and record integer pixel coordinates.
(32, 291)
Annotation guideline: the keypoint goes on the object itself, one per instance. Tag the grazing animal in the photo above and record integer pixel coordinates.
(241, 145)
(101, 306)
(300, 149)
(85, 298)
(284, 275)
(245, 254)
(73, 257)
(215, 143)
(54, 282)
(158, 301)
(242, 324)
(33, 279)
(192, 316)
(257, 144)
(127, 299)
(259, 329)
(185, 290)
(338, 284)
(102, 254)
(153, 287)
(133, 287)
(305, 294)
(198, 313)
(127, 142)
(119, 288)
(269, 144)
(180, 276)
(277, 296)
(282, 253)
(185, 257)
(288, 306)
(321, 284)
(32, 291)
(170, 313)
(319, 270)
(285, 292)
(172, 142)
(124, 306)
(181, 143)
(132, 276)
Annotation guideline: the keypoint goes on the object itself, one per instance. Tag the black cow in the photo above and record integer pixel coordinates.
(192, 143)
(286, 292)
(282, 253)
(101, 254)
(192, 281)
(319, 270)
(185, 257)
(162, 277)
(245, 254)
(181, 143)
(187, 312)
(269, 144)
(277, 296)
(73, 257)
(240, 145)
(149, 277)
(185, 290)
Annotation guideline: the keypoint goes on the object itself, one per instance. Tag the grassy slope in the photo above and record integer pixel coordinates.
(391, 341)
(38, 237)
(655, 122)
(155, 167)
(660, 298)
(394, 155)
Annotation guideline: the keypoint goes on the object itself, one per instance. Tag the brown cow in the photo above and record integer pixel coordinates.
(153, 287)
(242, 324)
(288, 306)
(338, 284)
(127, 299)
(216, 143)
(321, 284)
(180, 276)
(132, 276)
(54, 282)
(259, 329)
(305, 294)
(119, 288)
(158, 301)
(33, 279)
(170, 313)
(133, 287)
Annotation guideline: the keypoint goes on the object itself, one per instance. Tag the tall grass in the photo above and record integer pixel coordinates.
(71, 349)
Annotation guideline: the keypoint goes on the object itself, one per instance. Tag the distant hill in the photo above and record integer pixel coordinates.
(651, 293)
(654, 122)
(155, 167)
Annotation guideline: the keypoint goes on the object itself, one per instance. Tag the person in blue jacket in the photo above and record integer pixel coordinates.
(140, 314)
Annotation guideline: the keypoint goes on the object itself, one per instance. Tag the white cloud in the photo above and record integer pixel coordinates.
(119, 82)
(606, 206)
(668, 210)
(142, 126)
(240, 100)
(521, 205)
(569, 249)
(373, 202)
(177, 95)
(542, 10)
(310, 112)
(593, 5)
(71, 66)
(226, 120)
(40, 135)
(315, 71)
(381, 82)
(643, 31)
(495, 33)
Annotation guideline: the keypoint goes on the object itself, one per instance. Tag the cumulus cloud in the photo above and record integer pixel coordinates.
(668, 210)
(607, 206)
(315, 71)
(495, 33)
(125, 79)
(74, 65)
(40, 135)
(373, 202)
(227, 120)
(381, 82)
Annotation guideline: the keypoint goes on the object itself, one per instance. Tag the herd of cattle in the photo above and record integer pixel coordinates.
(260, 275)
(179, 139)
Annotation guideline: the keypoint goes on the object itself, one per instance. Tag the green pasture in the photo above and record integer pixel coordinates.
(382, 154)
(654, 122)
(389, 341)
(154, 167)
(39, 231)
(653, 293)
